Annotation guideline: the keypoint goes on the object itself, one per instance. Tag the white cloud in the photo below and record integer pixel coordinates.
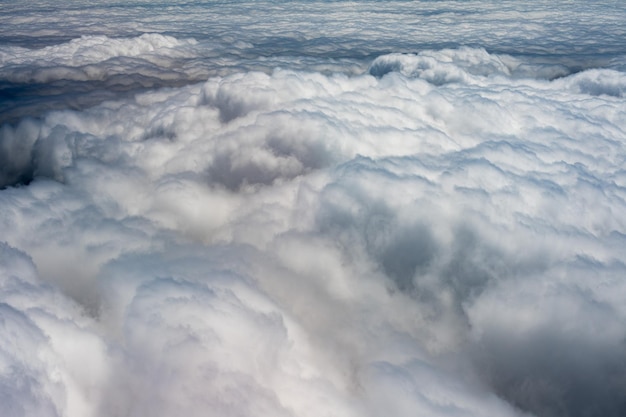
(442, 234)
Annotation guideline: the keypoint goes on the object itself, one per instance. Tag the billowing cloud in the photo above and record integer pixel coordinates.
(269, 225)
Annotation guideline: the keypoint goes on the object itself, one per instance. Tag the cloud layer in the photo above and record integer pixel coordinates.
(437, 232)
(77, 56)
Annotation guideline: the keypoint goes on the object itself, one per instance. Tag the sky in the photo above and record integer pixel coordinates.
(326, 208)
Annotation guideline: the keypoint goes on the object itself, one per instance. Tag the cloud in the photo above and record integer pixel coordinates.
(441, 67)
(371, 28)
(558, 361)
(90, 50)
(598, 83)
(52, 362)
(297, 234)
(83, 55)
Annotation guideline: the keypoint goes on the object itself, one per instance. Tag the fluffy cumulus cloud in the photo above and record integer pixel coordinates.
(438, 232)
